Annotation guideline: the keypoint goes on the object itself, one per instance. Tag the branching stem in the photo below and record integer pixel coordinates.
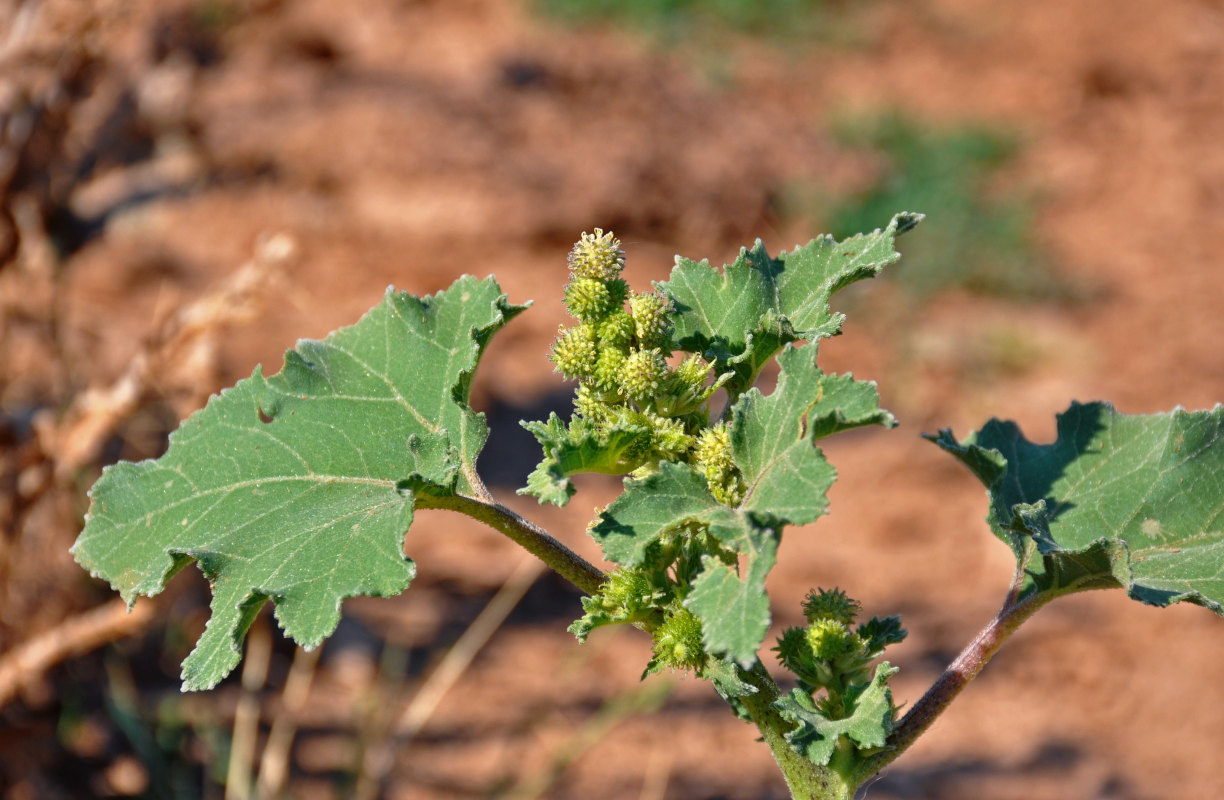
(958, 675)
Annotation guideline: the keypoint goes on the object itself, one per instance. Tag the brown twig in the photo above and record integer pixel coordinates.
(27, 662)
(246, 718)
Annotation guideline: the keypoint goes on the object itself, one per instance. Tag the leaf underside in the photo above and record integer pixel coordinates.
(299, 488)
(1135, 501)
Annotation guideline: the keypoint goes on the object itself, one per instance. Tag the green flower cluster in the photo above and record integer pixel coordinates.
(618, 350)
(619, 355)
(833, 656)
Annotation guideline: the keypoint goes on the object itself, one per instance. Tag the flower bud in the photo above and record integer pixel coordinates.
(609, 369)
(831, 639)
(588, 299)
(590, 404)
(617, 330)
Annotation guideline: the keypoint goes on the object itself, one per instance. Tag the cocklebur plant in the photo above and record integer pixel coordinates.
(298, 488)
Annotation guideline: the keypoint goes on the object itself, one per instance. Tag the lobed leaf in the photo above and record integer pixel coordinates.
(734, 611)
(660, 503)
(773, 438)
(741, 316)
(299, 488)
(1135, 501)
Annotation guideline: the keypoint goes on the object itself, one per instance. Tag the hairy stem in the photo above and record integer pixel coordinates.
(805, 779)
(955, 678)
(531, 537)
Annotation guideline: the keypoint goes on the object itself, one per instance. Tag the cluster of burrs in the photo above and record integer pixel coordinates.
(618, 350)
(833, 655)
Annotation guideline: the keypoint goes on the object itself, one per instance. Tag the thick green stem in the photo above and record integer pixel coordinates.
(805, 779)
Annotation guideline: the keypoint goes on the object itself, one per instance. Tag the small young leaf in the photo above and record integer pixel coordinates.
(580, 447)
(867, 727)
(741, 316)
(1135, 501)
(299, 488)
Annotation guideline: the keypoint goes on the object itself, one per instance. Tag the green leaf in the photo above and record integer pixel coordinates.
(741, 316)
(299, 488)
(867, 727)
(658, 504)
(1135, 501)
(773, 438)
(734, 612)
(730, 686)
(581, 447)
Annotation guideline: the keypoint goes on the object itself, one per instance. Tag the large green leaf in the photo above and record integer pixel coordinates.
(740, 316)
(299, 488)
(867, 727)
(1135, 501)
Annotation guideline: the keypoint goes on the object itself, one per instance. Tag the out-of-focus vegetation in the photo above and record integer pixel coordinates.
(672, 20)
(979, 237)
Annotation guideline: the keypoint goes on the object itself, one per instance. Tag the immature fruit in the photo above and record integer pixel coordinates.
(643, 373)
(574, 352)
(626, 592)
(713, 456)
(678, 641)
(793, 650)
(598, 256)
(668, 438)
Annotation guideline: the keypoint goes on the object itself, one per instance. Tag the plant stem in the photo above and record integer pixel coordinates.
(805, 779)
(955, 678)
(531, 537)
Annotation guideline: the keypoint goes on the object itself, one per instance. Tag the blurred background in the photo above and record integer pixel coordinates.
(187, 188)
